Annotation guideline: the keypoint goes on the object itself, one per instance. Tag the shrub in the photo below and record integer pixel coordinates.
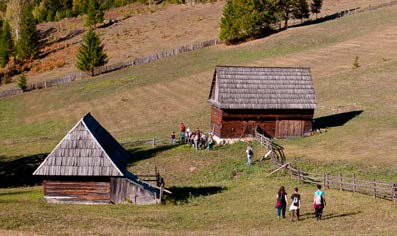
(23, 82)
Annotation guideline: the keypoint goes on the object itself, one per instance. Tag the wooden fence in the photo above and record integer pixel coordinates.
(112, 67)
(344, 183)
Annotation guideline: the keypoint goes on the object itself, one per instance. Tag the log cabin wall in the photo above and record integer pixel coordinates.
(65, 189)
(123, 190)
(276, 123)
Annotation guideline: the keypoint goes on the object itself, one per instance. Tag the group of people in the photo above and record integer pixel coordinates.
(282, 203)
(198, 139)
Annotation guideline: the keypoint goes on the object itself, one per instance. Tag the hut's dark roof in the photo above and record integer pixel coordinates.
(238, 87)
(87, 150)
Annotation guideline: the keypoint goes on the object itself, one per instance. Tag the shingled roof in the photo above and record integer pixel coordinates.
(238, 87)
(87, 150)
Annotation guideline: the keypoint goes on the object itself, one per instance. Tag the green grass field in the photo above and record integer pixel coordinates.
(150, 100)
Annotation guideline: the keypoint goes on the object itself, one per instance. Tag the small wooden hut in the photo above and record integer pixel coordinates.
(279, 100)
(89, 166)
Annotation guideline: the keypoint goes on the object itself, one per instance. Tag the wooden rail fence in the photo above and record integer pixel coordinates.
(112, 67)
(344, 183)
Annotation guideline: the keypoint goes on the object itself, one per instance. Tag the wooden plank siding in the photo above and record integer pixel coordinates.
(77, 190)
(281, 123)
(124, 190)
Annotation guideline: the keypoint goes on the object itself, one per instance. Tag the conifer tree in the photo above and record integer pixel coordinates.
(23, 82)
(6, 44)
(91, 53)
(300, 10)
(95, 13)
(28, 43)
(243, 19)
(315, 6)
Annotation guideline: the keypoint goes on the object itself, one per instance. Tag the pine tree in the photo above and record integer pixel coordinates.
(315, 6)
(301, 9)
(6, 44)
(91, 53)
(23, 82)
(28, 43)
(244, 19)
(95, 13)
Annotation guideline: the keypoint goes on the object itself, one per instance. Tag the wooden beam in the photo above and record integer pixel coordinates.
(286, 164)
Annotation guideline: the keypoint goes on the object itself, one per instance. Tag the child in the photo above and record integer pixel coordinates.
(318, 202)
(173, 141)
(295, 205)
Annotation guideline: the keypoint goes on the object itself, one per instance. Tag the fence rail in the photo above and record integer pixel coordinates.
(112, 67)
(344, 183)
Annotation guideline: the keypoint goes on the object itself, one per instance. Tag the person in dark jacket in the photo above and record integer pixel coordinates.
(281, 202)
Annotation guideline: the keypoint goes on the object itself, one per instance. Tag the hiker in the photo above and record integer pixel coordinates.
(295, 205)
(318, 202)
(182, 129)
(196, 141)
(173, 141)
(203, 141)
(182, 137)
(188, 135)
(250, 153)
(210, 142)
(281, 202)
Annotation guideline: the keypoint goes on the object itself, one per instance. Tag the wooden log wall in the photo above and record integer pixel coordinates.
(77, 190)
(276, 123)
(124, 190)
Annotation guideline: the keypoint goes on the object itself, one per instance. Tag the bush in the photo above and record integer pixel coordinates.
(23, 82)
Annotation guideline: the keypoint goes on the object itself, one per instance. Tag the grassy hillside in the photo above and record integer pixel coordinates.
(215, 193)
(150, 100)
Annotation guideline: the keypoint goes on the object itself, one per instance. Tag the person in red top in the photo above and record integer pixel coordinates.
(182, 127)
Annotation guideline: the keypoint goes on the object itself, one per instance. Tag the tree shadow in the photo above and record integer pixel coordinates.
(19, 172)
(184, 194)
(139, 153)
(326, 18)
(335, 120)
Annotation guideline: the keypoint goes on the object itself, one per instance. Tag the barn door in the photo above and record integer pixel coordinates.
(249, 129)
(289, 128)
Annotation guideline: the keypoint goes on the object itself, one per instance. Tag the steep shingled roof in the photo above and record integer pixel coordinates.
(238, 87)
(87, 150)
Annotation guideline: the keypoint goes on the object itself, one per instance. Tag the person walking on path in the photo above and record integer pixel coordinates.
(173, 140)
(295, 205)
(281, 202)
(318, 202)
(250, 153)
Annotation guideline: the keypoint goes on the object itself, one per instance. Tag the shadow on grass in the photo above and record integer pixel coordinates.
(310, 215)
(18, 172)
(326, 18)
(140, 153)
(184, 194)
(335, 120)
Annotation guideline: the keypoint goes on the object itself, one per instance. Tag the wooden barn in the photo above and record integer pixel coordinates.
(89, 166)
(279, 100)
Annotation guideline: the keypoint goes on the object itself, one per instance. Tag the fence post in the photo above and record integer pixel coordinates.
(324, 180)
(300, 175)
(394, 192)
(354, 183)
(341, 180)
(374, 188)
(154, 142)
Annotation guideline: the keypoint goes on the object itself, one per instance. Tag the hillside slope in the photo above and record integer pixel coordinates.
(150, 100)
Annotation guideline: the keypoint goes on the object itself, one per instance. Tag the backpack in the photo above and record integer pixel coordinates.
(317, 200)
(250, 152)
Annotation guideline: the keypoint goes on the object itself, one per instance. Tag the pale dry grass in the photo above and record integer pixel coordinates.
(149, 31)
